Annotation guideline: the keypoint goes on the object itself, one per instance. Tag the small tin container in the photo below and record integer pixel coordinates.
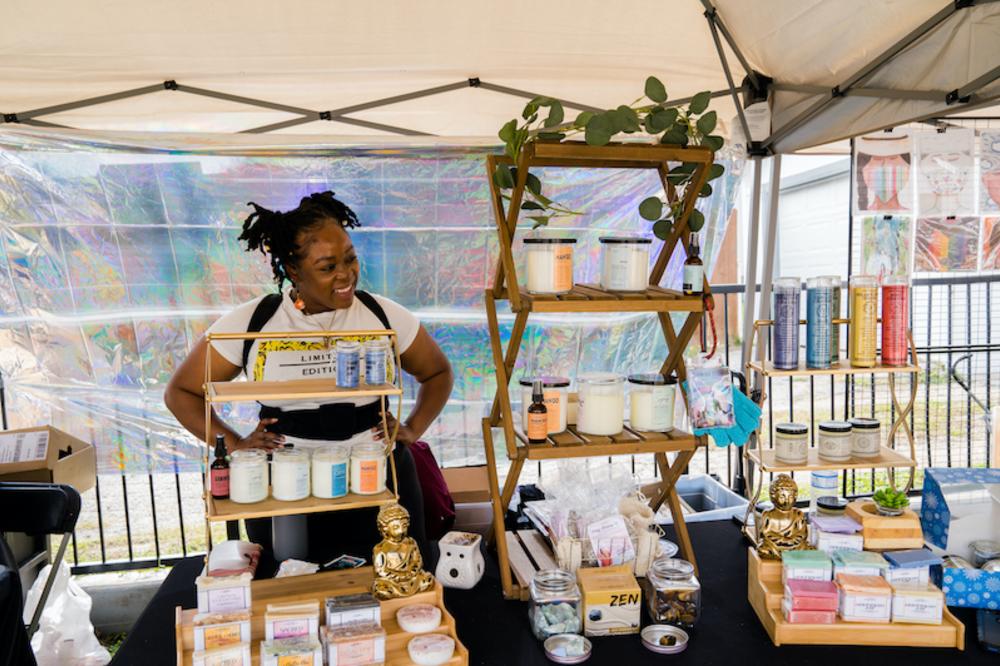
(835, 441)
(866, 437)
(791, 442)
(348, 363)
(831, 505)
(567, 648)
(984, 550)
(664, 639)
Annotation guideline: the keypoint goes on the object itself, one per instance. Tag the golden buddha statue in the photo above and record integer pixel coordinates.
(396, 559)
(783, 527)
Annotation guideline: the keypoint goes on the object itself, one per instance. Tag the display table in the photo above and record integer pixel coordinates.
(497, 633)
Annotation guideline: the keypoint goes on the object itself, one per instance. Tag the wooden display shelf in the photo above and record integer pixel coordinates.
(843, 367)
(592, 298)
(612, 155)
(573, 444)
(222, 510)
(765, 592)
(297, 389)
(319, 586)
(767, 461)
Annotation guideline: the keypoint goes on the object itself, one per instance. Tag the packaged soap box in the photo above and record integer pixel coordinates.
(864, 598)
(299, 651)
(910, 567)
(223, 594)
(805, 565)
(829, 533)
(959, 506)
(354, 644)
(612, 600)
(234, 655)
(859, 563)
(917, 605)
(292, 620)
(218, 630)
(810, 602)
(352, 609)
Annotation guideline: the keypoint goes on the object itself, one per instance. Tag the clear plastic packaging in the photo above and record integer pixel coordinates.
(555, 605)
(710, 396)
(348, 363)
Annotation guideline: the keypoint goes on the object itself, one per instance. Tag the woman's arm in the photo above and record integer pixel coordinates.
(428, 364)
(185, 398)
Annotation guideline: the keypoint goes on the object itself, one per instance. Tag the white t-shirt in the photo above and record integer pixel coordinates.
(286, 359)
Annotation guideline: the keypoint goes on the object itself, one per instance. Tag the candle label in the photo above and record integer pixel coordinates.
(864, 606)
(864, 316)
(807, 573)
(249, 484)
(818, 327)
(226, 599)
(919, 609)
(694, 279)
(866, 442)
(908, 576)
(355, 652)
(338, 479)
(552, 402)
(786, 329)
(791, 448)
(220, 482)
(369, 476)
(562, 278)
(222, 635)
(538, 425)
(290, 628)
(895, 313)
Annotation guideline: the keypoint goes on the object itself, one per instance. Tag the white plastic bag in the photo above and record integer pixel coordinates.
(65, 634)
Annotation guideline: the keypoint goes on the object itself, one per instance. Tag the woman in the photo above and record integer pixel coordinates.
(310, 247)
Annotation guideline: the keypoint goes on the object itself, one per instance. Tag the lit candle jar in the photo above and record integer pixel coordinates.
(602, 404)
(289, 475)
(835, 441)
(368, 468)
(555, 391)
(651, 401)
(348, 363)
(248, 476)
(376, 361)
(625, 263)
(791, 442)
(867, 437)
(550, 264)
(329, 471)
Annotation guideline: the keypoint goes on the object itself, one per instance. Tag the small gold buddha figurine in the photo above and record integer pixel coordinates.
(398, 565)
(784, 526)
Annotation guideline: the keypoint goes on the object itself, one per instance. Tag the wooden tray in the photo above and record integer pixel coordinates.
(765, 592)
(319, 586)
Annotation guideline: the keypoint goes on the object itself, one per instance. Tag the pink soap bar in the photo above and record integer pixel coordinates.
(811, 595)
(807, 616)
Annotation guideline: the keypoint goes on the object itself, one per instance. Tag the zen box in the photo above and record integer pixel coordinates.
(959, 506)
(352, 609)
(47, 455)
(223, 594)
(218, 630)
(612, 601)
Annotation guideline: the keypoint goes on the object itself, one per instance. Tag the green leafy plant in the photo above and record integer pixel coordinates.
(690, 125)
(891, 499)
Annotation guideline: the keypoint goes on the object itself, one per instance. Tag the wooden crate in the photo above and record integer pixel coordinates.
(884, 533)
(765, 592)
(319, 586)
(528, 552)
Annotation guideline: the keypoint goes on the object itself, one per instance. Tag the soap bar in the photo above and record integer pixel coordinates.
(864, 598)
(291, 620)
(418, 618)
(299, 651)
(917, 605)
(234, 655)
(910, 568)
(352, 609)
(805, 565)
(794, 616)
(431, 650)
(217, 630)
(834, 524)
(811, 595)
(829, 542)
(859, 563)
(355, 644)
(223, 594)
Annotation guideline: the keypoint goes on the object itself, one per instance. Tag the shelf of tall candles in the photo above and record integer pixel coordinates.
(367, 379)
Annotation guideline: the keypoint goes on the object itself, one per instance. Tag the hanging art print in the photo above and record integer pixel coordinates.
(946, 244)
(989, 167)
(885, 246)
(991, 244)
(944, 173)
(883, 166)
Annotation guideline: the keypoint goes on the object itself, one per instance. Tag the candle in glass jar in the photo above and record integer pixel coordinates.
(625, 263)
(864, 318)
(550, 264)
(819, 297)
(289, 475)
(602, 404)
(651, 401)
(348, 363)
(367, 468)
(787, 292)
(330, 471)
(895, 320)
(248, 476)
(834, 281)
(554, 392)
(376, 358)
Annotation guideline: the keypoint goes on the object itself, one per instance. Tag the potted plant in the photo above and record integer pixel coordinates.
(890, 502)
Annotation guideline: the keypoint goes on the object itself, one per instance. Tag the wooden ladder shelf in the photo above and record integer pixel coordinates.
(587, 298)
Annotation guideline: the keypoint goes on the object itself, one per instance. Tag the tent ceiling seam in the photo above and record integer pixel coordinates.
(712, 14)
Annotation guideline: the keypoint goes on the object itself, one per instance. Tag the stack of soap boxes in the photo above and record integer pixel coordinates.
(222, 624)
(354, 633)
(860, 586)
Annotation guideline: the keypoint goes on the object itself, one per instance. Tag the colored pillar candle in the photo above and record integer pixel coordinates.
(785, 354)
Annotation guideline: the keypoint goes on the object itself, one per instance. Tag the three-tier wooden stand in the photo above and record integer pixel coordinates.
(305, 390)
(586, 298)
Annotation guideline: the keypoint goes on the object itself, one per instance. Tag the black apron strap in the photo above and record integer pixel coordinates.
(261, 315)
(369, 302)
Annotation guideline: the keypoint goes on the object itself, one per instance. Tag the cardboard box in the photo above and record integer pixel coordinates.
(959, 506)
(48, 455)
(467, 485)
(612, 601)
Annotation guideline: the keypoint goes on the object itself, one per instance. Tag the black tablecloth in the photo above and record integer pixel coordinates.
(497, 633)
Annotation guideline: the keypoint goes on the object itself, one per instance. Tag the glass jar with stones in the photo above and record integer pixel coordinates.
(555, 606)
(673, 593)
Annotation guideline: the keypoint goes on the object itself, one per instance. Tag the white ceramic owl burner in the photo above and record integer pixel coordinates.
(461, 563)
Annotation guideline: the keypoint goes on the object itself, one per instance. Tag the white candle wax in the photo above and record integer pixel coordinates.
(248, 476)
(550, 264)
(602, 404)
(289, 475)
(330, 475)
(368, 469)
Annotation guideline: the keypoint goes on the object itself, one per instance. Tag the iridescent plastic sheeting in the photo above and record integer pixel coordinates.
(115, 262)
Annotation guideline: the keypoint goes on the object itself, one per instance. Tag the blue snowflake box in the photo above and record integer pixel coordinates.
(958, 507)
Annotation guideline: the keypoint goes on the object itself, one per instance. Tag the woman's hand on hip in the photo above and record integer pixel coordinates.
(405, 436)
(260, 438)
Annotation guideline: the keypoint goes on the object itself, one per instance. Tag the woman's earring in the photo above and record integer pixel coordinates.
(297, 300)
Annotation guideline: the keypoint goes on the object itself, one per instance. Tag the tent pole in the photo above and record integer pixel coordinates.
(712, 14)
(729, 79)
(750, 278)
(974, 85)
(770, 243)
(861, 75)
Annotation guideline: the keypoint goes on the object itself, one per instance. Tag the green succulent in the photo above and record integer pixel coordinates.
(690, 125)
(891, 499)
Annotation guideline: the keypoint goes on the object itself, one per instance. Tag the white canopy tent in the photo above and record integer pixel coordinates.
(456, 70)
